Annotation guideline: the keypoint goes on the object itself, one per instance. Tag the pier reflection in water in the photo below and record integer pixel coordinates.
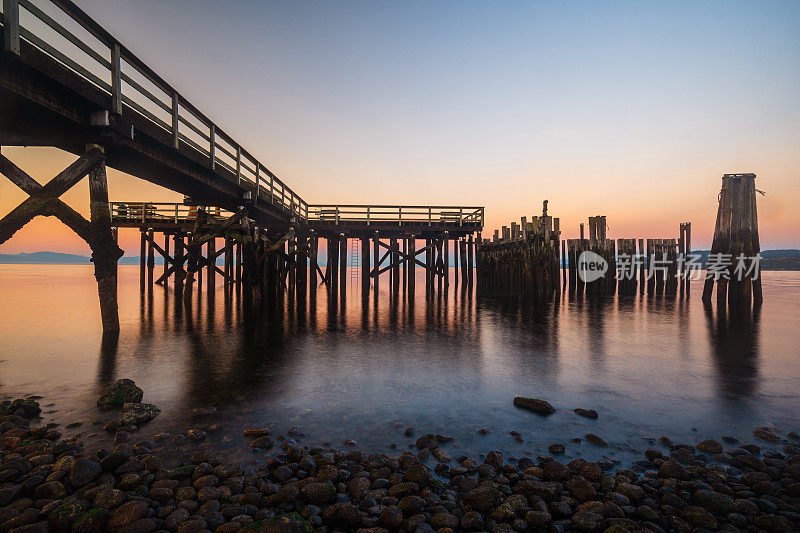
(368, 368)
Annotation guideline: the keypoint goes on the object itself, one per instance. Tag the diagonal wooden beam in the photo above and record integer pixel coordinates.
(216, 231)
(158, 248)
(44, 200)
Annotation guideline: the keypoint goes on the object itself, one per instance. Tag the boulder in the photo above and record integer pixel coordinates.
(540, 407)
(136, 414)
(117, 395)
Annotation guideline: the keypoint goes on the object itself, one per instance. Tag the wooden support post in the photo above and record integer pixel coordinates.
(142, 258)
(291, 248)
(470, 256)
(238, 246)
(211, 271)
(166, 262)
(179, 259)
(582, 236)
(365, 266)
(455, 260)
(688, 248)
(412, 254)
(446, 259)
(313, 245)
(376, 263)
(11, 25)
(228, 261)
(343, 259)
(404, 261)
(302, 264)
(564, 261)
(394, 257)
(151, 259)
(642, 259)
(331, 271)
(717, 243)
(104, 249)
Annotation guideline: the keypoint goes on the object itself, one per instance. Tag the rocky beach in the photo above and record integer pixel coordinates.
(48, 483)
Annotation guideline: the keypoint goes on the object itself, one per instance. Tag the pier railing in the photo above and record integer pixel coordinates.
(142, 213)
(66, 33)
(399, 214)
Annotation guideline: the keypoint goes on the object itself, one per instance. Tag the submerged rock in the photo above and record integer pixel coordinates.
(709, 446)
(136, 414)
(595, 439)
(540, 407)
(117, 395)
(765, 433)
(24, 407)
(586, 413)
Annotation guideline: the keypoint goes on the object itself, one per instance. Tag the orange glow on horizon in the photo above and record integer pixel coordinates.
(643, 211)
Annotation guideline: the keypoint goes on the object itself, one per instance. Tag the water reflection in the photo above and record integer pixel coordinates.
(734, 339)
(366, 366)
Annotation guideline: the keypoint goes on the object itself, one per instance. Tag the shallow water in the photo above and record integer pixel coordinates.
(650, 366)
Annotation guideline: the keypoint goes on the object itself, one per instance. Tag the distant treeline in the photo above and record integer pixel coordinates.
(770, 259)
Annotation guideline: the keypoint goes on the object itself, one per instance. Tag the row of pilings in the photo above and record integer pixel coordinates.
(260, 263)
(531, 259)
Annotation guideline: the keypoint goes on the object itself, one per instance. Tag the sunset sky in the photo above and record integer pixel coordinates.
(632, 110)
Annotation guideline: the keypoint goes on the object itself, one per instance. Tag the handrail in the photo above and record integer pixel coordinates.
(133, 96)
(186, 125)
(369, 214)
(170, 211)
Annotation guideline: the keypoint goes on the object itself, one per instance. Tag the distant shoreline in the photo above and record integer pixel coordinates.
(771, 260)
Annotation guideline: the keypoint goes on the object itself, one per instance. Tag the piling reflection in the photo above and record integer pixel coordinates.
(447, 361)
(735, 341)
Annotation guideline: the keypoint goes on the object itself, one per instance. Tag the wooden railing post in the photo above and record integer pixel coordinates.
(271, 188)
(175, 138)
(116, 80)
(238, 164)
(213, 137)
(11, 25)
(176, 213)
(430, 217)
(461, 216)
(143, 204)
(258, 178)
(337, 215)
(367, 215)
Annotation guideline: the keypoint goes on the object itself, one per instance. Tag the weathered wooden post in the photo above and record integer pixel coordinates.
(142, 257)
(313, 246)
(411, 265)
(238, 247)
(394, 259)
(343, 264)
(470, 256)
(151, 259)
(376, 263)
(301, 264)
(179, 259)
(688, 249)
(365, 267)
(105, 251)
(211, 273)
(642, 260)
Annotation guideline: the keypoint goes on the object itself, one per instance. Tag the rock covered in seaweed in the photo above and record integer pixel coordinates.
(121, 392)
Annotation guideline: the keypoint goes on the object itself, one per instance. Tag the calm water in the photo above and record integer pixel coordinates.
(649, 366)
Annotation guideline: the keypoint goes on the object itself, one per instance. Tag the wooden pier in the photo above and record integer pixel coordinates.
(65, 82)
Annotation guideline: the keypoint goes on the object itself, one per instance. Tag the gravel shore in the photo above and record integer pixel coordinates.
(51, 484)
